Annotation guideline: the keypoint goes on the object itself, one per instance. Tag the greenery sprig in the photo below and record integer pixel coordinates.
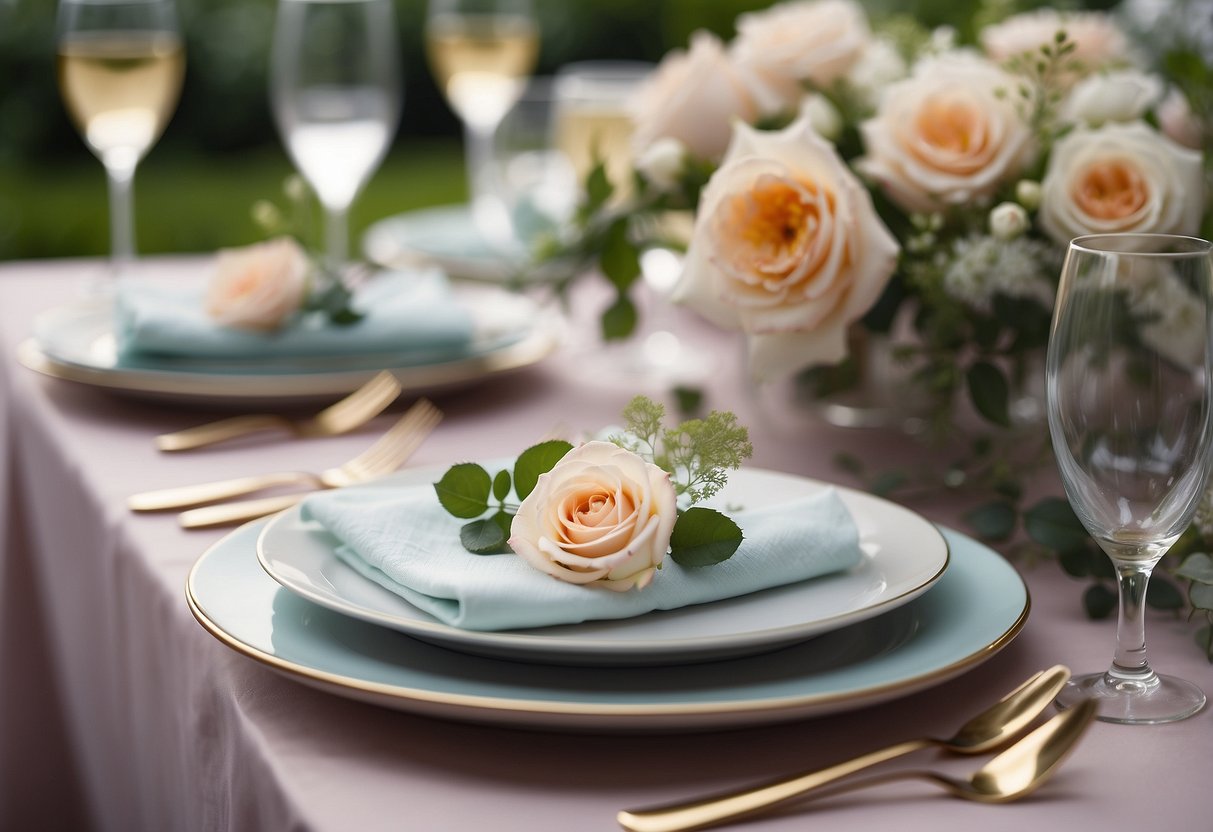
(697, 454)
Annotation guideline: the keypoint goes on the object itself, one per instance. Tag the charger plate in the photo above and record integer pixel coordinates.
(976, 609)
(903, 555)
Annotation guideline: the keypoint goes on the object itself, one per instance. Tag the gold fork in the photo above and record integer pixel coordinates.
(355, 410)
(385, 456)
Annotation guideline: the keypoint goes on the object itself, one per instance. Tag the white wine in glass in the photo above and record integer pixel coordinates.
(336, 92)
(120, 68)
(481, 53)
(1130, 404)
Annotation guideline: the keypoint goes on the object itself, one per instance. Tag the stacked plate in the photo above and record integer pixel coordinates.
(922, 606)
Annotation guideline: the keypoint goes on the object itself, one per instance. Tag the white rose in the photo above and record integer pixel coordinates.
(662, 163)
(879, 65)
(787, 248)
(1118, 178)
(823, 116)
(808, 40)
(603, 515)
(945, 135)
(694, 97)
(258, 287)
(1123, 95)
(1178, 122)
(1098, 41)
(1008, 221)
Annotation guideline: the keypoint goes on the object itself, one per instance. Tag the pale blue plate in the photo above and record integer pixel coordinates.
(974, 611)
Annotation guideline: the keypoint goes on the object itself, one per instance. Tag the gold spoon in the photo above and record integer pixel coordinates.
(987, 731)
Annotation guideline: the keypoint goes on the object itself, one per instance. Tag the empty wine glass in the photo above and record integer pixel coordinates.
(481, 53)
(336, 92)
(1129, 403)
(120, 67)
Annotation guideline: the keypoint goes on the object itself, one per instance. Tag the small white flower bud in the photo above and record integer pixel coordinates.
(823, 116)
(662, 163)
(1008, 220)
(1028, 194)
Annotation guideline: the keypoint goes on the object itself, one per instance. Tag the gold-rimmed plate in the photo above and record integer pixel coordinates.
(976, 609)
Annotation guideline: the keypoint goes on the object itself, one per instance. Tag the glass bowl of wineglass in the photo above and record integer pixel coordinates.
(120, 69)
(1130, 405)
(335, 85)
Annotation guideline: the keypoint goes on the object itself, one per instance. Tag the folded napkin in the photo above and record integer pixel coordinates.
(413, 313)
(403, 540)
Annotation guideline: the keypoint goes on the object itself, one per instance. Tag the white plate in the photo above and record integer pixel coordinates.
(903, 555)
(77, 343)
(445, 237)
(973, 612)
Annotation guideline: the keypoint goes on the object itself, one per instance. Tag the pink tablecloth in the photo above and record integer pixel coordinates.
(118, 712)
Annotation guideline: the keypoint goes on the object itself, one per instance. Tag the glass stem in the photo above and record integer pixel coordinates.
(478, 147)
(336, 240)
(121, 177)
(1132, 579)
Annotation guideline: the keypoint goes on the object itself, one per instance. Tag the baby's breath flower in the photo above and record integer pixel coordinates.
(983, 266)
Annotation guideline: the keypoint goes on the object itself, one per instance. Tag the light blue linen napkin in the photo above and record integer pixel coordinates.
(403, 540)
(406, 313)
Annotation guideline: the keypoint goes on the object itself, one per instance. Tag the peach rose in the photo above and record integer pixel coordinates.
(1098, 41)
(602, 516)
(790, 43)
(945, 135)
(694, 97)
(260, 286)
(1120, 177)
(787, 247)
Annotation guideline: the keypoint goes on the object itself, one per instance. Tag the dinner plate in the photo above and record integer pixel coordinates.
(976, 609)
(445, 237)
(77, 343)
(903, 554)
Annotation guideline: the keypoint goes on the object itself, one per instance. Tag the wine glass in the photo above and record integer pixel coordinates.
(1131, 415)
(120, 67)
(335, 84)
(481, 52)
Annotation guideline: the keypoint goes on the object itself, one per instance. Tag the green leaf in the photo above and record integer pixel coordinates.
(1204, 640)
(1201, 597)
(993, 521)
(1196, 567)
(688, 400)
(483, 537)
(501, 485)
(887, 483)
(620, 259)
(1163, 595)
(703, 537)
(536, 460)
(1077, 562)
(598, 188)
(1099, 601)
(503, 521)
(464, 490)
(619, 320)
(1052, 523)
(989, 391)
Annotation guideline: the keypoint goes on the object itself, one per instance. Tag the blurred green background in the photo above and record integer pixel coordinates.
(220, 153)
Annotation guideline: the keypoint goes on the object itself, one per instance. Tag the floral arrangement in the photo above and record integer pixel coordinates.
(265, 286)
(849, 180)
(606, 513)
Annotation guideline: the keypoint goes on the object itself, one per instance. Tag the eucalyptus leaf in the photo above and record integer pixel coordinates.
(1204, 640)
(703, 537)
(464, 490)
(1196, 567)
(1201, 597)
(993, 521)
(990, 393)
(1099, 601)
(1077, 561)
(1161, 594)
(483, 537)
(501, 485)
(536, 460)
(1052, 523)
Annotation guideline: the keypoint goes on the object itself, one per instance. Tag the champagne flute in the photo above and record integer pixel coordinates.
(335, 84)
(481, 52)
(120, 67)
(1130, 407)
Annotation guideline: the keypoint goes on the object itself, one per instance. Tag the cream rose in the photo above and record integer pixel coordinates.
(1120, 177)
(602, 516)
(258, 287)
(787, 247)
(879, 65)
(1122, 95)
(1098, 41)
(790, 43)
(694, 97)
(1178, 122)
(946, 135)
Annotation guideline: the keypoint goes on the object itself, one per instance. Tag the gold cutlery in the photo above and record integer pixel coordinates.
(241, 511)
(1016, 772)
(355, 410)
(385, 456)
(986, 731)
